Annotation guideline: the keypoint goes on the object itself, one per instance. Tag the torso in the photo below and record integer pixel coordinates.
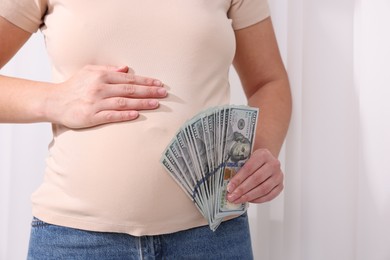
(109, 178)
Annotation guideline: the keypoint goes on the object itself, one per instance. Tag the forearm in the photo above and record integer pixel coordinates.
(23, 101)
(274, 101)
(265, 83)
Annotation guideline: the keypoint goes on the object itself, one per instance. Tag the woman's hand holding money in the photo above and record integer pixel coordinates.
(100, 94)
(259, 180)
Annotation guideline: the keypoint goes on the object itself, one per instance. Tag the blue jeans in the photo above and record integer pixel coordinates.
(230, 241)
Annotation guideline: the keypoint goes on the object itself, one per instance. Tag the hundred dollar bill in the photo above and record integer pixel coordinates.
(184, 137)
(179, 159)
(174, 162)
(208, 131)
(239, 141)
(198, 141)
(206, 152)
(176, 176)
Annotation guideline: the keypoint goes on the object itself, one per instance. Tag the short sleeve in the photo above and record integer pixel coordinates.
(247, 12)
(26, 14)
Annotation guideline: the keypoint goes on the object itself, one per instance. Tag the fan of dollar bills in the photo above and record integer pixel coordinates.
(206, 152)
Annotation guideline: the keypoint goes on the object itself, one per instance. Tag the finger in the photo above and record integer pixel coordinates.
(105, 117)
(123, 74)
(270, 196)
(122, 104)
(134, 91)
(125, 69)
(122, 69)
(147, 81)
(257, 160)
(259, 190)
(253, 180)
(115, 77)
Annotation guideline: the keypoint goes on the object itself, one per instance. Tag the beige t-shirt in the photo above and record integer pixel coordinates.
(109, 178)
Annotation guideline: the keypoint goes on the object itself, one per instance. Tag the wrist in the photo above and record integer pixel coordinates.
(45, 110)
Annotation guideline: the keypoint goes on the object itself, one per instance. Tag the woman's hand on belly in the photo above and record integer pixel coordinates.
(98, 95)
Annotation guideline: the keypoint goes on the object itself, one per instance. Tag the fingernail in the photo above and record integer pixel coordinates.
(157, 83)
(232, 197)
(162, 91)
(153, 102)
(124, 67)
(230, 187)
(133, 113)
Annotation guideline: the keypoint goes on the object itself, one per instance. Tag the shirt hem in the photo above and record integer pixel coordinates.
(131, 229)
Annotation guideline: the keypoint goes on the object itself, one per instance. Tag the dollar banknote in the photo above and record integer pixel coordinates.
(207, 152)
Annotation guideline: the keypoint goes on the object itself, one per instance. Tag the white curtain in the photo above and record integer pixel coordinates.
(336, 204)
(23, 149)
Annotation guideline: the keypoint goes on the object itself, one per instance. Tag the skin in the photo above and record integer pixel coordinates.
(105, 94)
(94, 95)
(265, 82)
